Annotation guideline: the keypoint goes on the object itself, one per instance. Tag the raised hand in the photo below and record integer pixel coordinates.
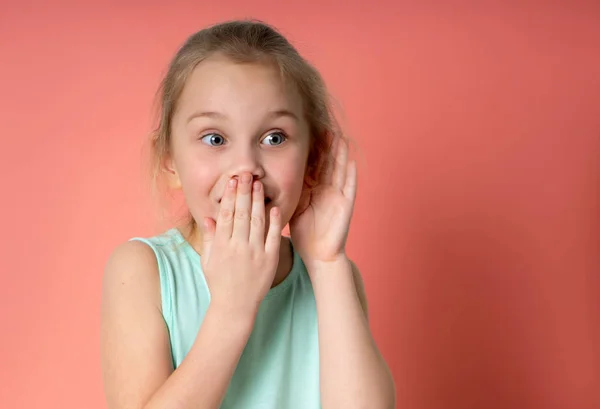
(319, 228)
(239, 263)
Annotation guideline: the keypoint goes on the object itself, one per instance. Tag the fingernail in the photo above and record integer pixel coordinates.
(246, 178)
(232, 182)
(256, 186)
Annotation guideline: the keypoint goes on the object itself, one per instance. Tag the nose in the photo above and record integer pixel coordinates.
(246, 160)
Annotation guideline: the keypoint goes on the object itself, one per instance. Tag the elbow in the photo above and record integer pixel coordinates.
(387, 399)
(392, 393)
(385, 395)
(382, 396)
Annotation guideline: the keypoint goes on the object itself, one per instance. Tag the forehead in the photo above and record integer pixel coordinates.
(219, 84)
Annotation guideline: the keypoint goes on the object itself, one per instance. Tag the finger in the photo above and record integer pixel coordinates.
(208, 235)
(243, 202)
(351, 182)
(225, 217)
(340, 165)
(257, 221)
(273, 239)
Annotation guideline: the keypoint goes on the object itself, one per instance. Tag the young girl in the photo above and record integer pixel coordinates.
(226, 311)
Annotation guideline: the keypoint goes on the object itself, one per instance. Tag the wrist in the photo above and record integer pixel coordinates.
(338, 263)
(331, 276)
(334, 285)
(232, 315)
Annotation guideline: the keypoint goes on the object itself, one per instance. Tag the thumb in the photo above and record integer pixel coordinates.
(208, 234)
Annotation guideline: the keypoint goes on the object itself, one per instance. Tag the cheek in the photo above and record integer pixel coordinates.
(291, 180)
(197, 178)
(195, 173)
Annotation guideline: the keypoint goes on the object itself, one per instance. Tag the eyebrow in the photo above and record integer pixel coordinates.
(218, 115)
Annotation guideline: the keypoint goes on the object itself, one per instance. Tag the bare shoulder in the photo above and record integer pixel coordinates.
(132, 267)
(135, 349)
(131, 252)
(360, 287)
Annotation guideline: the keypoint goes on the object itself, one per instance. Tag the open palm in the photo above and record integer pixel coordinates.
(319, 230)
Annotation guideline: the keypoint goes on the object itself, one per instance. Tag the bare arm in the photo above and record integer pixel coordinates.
(136, 359)
(353, 373)
(239, 265)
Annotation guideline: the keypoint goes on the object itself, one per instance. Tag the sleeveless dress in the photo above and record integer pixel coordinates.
(279, 367)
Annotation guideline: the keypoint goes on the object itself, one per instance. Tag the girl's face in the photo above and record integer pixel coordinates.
(234, 118)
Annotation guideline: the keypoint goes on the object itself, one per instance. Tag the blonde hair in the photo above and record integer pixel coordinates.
(248, 41)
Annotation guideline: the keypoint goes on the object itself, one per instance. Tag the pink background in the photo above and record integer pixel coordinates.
(477, 226)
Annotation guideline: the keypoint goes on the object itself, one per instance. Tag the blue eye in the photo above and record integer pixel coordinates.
(275, 138)
(213, 139)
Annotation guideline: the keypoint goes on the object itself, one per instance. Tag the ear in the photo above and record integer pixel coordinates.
(170, 170)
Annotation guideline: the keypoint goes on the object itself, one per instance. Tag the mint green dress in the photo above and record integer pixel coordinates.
(279, 367)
